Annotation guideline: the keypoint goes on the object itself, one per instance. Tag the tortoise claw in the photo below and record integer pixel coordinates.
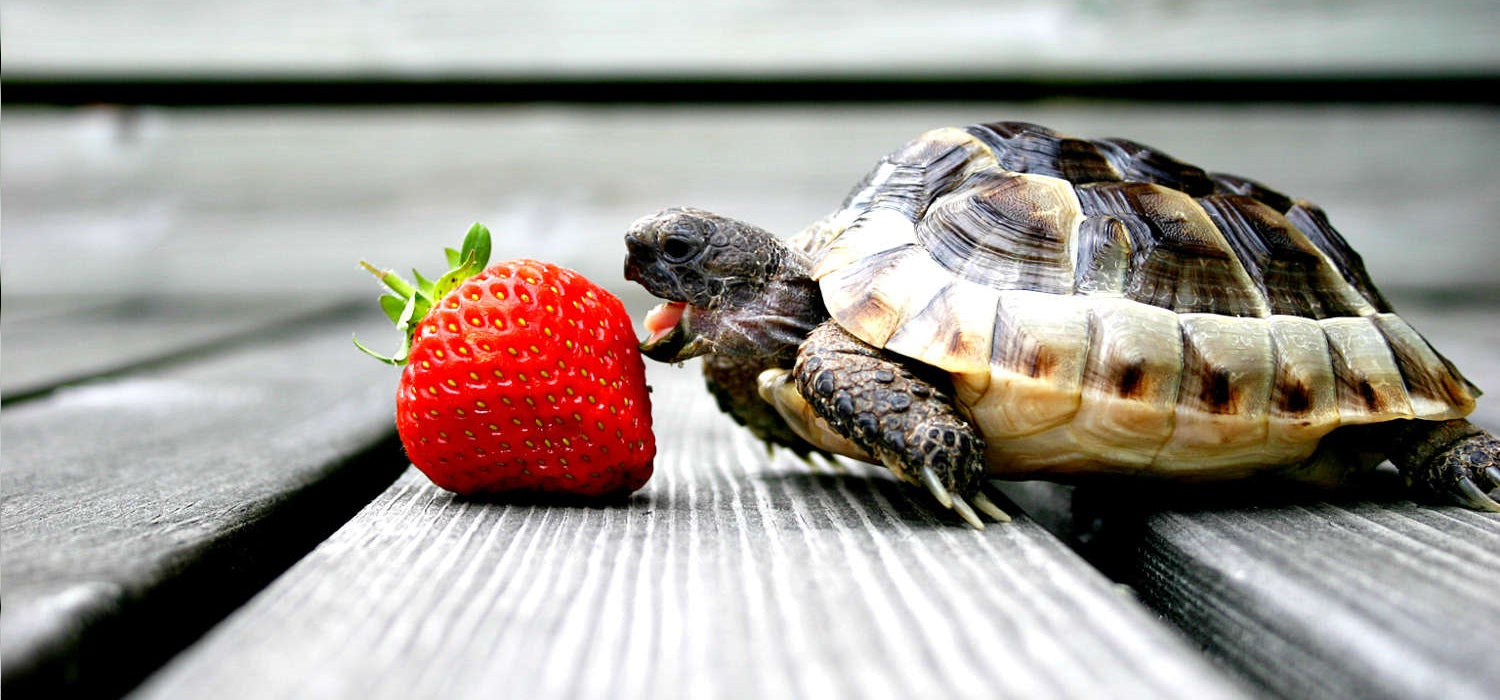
(935, 485)
(1454, 460)
(988, 507)
(958, 505)
(961, 507)
(1469, 493)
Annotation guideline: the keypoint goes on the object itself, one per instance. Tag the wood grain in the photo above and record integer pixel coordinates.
(590, 38)
(1370, 600)
(54, 341)
(138, 510)
(730, 575)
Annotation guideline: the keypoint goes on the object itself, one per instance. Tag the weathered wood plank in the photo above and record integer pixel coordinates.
(746, 38)
(52, 341)
(1369, 600)
(1366, 600)
(139, 510)
(1366, 596)
(729, 575)
(237, 201)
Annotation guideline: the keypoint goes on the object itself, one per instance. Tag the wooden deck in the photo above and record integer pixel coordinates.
(202, 496)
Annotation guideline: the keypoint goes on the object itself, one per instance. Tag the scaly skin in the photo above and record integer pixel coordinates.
(751, 304)
(1454, 460)
(874, 399)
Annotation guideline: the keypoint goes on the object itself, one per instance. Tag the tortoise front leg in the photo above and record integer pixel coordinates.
(909, 423)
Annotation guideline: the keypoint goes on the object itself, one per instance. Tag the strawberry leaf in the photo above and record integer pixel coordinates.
(477, 247)
(392, 306)
(376, 355)
(424, 287)
(409, 304)
(472, 258)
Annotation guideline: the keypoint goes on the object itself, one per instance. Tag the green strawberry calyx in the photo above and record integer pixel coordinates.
(408, 303)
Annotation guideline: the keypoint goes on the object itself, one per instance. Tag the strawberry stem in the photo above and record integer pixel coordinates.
(409, 304)
(390, 279)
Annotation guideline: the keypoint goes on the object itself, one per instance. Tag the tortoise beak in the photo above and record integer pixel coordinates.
(666, 332)
(669, 325)
(666, 325)
(645, 266)
(671, 336)
(667, 347)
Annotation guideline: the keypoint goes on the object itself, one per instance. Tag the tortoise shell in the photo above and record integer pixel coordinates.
(1102, 305)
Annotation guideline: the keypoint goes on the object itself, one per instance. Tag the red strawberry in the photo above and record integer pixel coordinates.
(519, 377)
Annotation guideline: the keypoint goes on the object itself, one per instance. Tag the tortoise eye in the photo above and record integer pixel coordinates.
(678, 249)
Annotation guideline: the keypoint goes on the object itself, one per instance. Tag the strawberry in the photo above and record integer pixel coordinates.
(519, 377)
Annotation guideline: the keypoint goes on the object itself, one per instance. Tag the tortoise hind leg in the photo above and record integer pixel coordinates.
(907, 422)
(1452, 459)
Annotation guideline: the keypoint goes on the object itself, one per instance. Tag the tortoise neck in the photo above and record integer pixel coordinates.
(794, 306)
(772, 323)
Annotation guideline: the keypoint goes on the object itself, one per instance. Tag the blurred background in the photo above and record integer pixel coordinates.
(178, 177)
(164, 148)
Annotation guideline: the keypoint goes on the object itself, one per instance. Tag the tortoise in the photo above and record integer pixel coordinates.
(1006, 301)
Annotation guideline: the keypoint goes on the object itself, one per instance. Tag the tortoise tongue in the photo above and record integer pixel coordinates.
(661, 320)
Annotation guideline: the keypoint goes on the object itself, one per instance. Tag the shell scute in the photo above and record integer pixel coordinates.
(1101, 305)
(1141, 163)
(1313, 223)
(1130, 381)
(1303, 405)
(1224, 393)
(1035, 366)
(1292, 274)
(1102, 257)
(915, 175)
(1226, 365)
(1225, 183)
(1435, 388)
(1028, 148)
(872, 297)
(951, 330)
(1005, 231)
(1179, 259)
(1369, 382)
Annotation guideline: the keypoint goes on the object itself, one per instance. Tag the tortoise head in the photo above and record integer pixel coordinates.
(729, 287)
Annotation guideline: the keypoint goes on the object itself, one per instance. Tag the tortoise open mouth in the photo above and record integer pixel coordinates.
(661, 320)
(667, 331)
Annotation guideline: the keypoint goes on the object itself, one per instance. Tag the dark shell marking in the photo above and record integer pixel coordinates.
(1101, 304)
